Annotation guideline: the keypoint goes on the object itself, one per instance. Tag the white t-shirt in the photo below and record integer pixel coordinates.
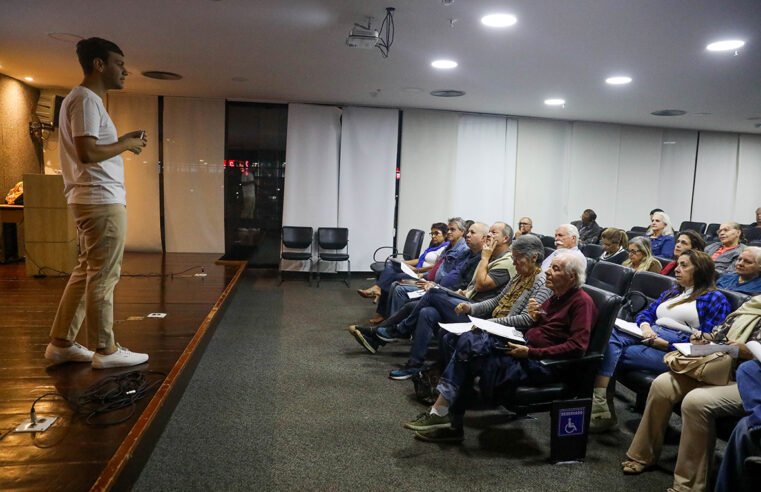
(97, 183)
(682, 317)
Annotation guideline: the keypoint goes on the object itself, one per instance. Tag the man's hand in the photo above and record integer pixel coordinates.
(428, 286)
(462, 308)
(135, 141)
(488, 248)
(517, 351)
(534, 309)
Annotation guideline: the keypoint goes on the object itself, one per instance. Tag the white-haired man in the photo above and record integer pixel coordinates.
(566, 239)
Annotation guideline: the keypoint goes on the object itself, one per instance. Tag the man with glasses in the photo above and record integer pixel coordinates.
(525, 225)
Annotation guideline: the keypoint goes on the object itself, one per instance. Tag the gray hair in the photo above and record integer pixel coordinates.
(457, 222)
(571, 229)
(574, 265)
(507, 231)
(481, 228)
(529, 246)
(756, 252)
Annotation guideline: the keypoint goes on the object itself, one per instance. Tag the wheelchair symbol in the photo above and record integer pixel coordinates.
(570, 427)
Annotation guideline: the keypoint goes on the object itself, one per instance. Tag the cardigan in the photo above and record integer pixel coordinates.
(725, 262)
(518, 316)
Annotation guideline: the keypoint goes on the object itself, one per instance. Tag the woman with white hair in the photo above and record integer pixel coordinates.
(661, 235)
(747, 275)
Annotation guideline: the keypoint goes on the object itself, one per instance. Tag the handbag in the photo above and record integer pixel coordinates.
(714, 369)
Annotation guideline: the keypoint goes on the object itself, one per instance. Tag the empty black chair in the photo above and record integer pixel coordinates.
(337, 239)
(699, 227)
(711, 232)
(579, 373)
(593, 251)
(611, 277)
(548, 251)
(736, 299)
(411, 250)
(752, 234)
(548, 241)
(638, 229)
(296, 238)
(663, 260)
(633, 233)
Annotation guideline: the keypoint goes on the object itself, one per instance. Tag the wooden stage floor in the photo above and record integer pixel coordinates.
(72, 454)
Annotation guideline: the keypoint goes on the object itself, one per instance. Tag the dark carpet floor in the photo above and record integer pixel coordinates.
(285, 399)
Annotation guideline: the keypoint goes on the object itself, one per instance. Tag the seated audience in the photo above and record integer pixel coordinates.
(744, 446)
(686, 240)
(422, 264)
(693, 304)
(493, 270)
(701, 404)
(589, 230)
(525, 226)
(566, 239)
(728, 249)
(613, 242)
(757, 223)
(649, 225)
(444, 272)
(661, 235)
(747, 275)
(640, 257)
(561, 328)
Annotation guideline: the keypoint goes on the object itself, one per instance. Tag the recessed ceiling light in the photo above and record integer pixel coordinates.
(29, 79)
(668, 112)
(447, 93)
(554, 102)
(726, 45)
(618, 80)
(669, 142)
(444, 64)
(161, 75)
(499, 20)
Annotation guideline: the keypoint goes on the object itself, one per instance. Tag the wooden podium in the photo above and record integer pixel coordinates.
(49, 228)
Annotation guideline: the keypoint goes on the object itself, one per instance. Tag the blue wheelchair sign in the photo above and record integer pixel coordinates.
(571, 422)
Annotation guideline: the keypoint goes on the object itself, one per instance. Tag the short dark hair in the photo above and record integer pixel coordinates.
(91, 48)
(656, 210)
(696, 240)
(591, 213)
(440, 226)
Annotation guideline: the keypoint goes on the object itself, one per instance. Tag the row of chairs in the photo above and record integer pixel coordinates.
(708, 231)
(332, 246)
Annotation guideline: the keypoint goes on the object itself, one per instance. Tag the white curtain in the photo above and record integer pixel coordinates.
(135, 112)
(482, 187)
(747, 196)
(367, 181)
(677, 175)
(639, 163)
(311, 170)
(429, 149)
(542, 172)
(194, 140)
(715, 177)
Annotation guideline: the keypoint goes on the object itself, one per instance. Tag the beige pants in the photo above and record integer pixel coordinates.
(701, 405)
(89, 294)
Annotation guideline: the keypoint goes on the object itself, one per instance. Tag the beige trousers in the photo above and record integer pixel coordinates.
(701, 405)
(89, 294)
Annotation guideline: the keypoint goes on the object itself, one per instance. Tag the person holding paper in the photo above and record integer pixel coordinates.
(561, 328)
(701, 405)
(747, 275)
(693, 304)
(422, 264)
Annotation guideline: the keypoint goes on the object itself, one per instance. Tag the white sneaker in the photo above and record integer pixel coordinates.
(75, 353)
(121, 358)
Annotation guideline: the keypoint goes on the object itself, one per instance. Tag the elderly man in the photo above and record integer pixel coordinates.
(490, 253)
(562, 328)
(589, 230)
(747, 275)
(566, 238)
(525, 225)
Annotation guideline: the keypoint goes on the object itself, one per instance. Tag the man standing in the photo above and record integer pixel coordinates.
(93, 175)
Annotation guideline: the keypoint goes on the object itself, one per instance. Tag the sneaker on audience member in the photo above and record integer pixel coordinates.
(365, 338)
(75, 353)
(428, 421)
(444, 435)
(389, 334)
(121, 358)
(405, 373)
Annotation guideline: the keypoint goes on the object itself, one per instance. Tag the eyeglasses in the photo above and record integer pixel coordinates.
(524, 224)
(635, 252)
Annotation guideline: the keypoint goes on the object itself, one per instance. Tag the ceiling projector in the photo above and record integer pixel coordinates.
(362, 37)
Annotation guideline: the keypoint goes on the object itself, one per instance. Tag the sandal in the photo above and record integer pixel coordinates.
(632, 467)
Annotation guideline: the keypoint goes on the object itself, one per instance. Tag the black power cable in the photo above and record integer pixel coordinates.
(115, 393)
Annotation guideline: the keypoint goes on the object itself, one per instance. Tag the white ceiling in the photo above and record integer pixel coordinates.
(294, 51)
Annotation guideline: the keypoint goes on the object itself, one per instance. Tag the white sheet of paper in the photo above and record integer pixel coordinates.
(415, 294)
(457, 328)
(503, 331)
(709, 348)
(406, 269)
(755, 349)
(628, 327)
(157, 315)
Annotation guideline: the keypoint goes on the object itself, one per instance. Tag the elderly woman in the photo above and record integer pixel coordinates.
(424, 263)
(686, 240)
(661, 235)
(693, 304)
(701, 405)
(561, 328)
(613, 242)
(640, 256)
(747, 276)
(728, 249)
